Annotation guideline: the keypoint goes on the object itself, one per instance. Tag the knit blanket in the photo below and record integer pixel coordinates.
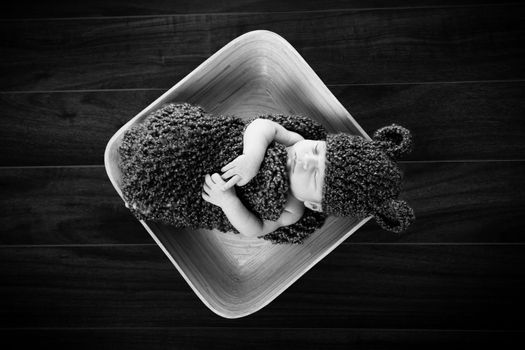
(164, 160)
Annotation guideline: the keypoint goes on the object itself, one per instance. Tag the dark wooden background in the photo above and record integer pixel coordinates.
(78, 271)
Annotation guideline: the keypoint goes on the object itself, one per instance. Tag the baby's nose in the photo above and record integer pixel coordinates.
(308, 161)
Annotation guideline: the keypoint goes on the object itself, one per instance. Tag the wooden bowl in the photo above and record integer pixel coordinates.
(258, 72)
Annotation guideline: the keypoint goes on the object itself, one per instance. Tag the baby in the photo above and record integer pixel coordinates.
(343, 175)
(275, 184)
(305, 166)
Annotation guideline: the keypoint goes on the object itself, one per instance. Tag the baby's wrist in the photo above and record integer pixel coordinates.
(229, 201)
(255, 157)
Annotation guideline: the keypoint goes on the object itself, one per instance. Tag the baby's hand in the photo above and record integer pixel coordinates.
(213, 191)
(240, 171)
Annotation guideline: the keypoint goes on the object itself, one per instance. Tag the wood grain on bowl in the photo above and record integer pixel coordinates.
(256, 73)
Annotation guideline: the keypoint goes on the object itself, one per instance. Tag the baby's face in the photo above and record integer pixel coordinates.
(306, 168)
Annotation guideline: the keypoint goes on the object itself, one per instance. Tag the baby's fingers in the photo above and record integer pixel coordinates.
(232, 182)
(208, 181)
(217, 179)
(230, 173)
(206, 188)
(229, 166)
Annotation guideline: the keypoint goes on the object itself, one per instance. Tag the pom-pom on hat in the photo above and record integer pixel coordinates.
(362, 178)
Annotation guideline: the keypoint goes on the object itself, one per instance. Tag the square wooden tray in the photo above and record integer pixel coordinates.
(258, 72)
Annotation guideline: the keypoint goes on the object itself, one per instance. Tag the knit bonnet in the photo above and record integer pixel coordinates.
(363, 179)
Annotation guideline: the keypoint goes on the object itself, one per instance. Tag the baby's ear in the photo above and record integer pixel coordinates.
(313, 206)
(394, 140)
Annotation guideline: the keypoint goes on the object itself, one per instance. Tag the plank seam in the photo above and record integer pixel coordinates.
(274, 328)
(7, 167)
(262, 13)
(7, 92)
(376, 244)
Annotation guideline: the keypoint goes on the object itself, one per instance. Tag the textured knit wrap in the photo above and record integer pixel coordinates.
(164, 160)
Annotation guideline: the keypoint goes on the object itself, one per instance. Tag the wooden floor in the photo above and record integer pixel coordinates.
(78, 271)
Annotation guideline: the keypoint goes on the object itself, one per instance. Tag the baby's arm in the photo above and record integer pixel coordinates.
(263, 132)
(240, 217)
(257, 136)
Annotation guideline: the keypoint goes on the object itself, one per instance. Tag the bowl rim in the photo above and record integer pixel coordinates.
(277, 40)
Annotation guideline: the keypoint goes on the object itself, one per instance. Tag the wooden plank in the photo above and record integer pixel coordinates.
(481, 202)
(71, 128)
(262, 338)
(99, 8)
(468, 287)
(348, 46)
(76, 205)
(473, 121)
(448, 121)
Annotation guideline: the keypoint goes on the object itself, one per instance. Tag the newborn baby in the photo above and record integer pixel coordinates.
(350, 175)
(282, 175)
(305, 165)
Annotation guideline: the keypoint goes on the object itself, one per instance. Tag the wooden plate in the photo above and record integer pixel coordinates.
(258, 72)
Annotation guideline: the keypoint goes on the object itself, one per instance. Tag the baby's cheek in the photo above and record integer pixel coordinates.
(297, 186)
